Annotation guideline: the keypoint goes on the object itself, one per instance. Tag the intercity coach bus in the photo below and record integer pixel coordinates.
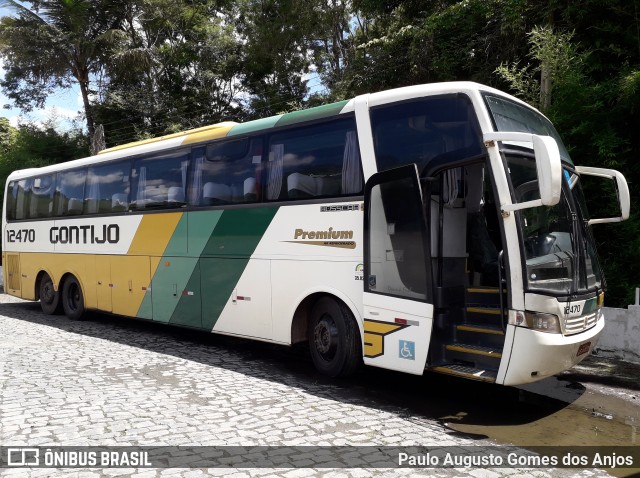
(436, 227)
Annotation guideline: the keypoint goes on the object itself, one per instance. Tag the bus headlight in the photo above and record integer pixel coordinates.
(548, 323)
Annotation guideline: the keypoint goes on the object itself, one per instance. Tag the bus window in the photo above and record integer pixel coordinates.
(160, 181)
(320, 160)
(226, 172)
(12, 191)
(108, 188)
(70, 192)
(23, 193)
(41, 201)
(438, 129)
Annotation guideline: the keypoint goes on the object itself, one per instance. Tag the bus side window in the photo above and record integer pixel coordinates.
(160, 182)
(320, 160)
(41, 202)
(435, 130)
(104, 183)
(12, 191)
(70, 192)
(226, 172)
(23, 194)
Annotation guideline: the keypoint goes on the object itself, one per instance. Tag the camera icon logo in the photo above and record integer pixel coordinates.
(23, 457)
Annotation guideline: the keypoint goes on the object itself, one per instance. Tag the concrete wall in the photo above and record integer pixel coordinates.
(621, 335)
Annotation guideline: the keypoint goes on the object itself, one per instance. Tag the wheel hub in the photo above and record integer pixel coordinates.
(47, 292)
(325, 337)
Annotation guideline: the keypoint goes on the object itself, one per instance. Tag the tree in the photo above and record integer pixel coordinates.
(275, 57)
(174, 66)
(555, 60)
(31, 146)
(54, 45)
(406, 42)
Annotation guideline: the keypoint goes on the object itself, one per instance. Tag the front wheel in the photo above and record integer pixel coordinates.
(72, 299)
(334, 340)
(49, 296)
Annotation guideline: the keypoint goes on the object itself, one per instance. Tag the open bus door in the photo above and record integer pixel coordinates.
(398, 308)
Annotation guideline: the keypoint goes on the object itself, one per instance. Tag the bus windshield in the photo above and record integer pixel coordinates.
(511, 116)
(559, 250)
(557, 244)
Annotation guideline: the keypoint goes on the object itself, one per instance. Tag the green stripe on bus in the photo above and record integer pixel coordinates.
(253, 126)
(188, 310)
(170, 281)
(312, 113)
(223, 259)
(177, 245)
(238, 232)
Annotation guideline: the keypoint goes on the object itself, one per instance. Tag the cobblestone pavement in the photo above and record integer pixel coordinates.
(113, 381)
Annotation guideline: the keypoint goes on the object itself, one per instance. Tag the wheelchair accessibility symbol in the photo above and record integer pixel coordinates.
(407, 350)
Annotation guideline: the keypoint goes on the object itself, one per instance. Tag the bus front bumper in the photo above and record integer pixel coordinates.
(537, 355)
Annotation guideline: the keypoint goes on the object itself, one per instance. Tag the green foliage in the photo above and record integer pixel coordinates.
(31, 146)
(174, 66)
(594, 105)
(553, 56)
(152, 67)
(54, 45)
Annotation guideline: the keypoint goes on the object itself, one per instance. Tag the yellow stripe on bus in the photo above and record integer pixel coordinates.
(191, 136)
(212, 132)
(381, 328)
(154, 233)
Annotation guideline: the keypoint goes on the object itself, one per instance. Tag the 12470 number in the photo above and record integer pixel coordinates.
(21, 235)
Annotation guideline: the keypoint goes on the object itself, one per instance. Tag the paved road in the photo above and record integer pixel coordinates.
(113, 381)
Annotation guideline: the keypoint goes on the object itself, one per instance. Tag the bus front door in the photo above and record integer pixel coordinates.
(398, 309)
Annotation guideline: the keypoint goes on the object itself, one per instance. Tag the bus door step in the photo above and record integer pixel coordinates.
(464, 371)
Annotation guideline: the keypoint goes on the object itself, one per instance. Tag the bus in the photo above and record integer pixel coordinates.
(438, 227)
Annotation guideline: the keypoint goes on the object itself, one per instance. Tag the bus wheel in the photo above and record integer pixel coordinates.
(49, 297)
(72, 299)
(334, 340)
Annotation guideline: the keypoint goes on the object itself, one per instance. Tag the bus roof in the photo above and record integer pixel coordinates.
(230, 128)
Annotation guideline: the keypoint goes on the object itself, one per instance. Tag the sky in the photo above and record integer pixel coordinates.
(65, 105)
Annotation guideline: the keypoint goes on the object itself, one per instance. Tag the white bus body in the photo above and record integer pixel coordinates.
(435, 227)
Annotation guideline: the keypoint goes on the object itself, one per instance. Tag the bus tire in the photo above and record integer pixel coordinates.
(49, 296)
(72, 299)
(334, 341)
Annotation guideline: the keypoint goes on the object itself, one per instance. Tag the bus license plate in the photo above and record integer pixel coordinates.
(583, 349)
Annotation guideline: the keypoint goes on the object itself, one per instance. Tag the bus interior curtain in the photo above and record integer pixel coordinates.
(276, 158)
(184, 166)
(33, 203)
(142, 183)
(94, 193)
(20, 196)
(452, 179)
(351, 177)
(474, 182)
(196, 189)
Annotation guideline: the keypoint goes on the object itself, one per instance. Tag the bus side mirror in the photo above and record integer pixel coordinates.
(548, 166)
(621, 186)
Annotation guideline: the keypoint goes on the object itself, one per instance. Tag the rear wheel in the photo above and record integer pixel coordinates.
(334, 340)
(49, 296)
(72, 299)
